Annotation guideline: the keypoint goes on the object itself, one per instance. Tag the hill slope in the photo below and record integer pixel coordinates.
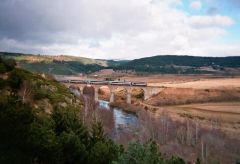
(63, 65)
(42, 93)
(182, 64)
(170, 64)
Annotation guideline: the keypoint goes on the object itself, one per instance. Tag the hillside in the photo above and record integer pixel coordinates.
(62, 64)
(42, 93)
(40, 122)
(183, 64)
(166, 64)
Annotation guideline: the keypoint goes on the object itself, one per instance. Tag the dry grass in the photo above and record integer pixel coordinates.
(226, 114)
(202, 83)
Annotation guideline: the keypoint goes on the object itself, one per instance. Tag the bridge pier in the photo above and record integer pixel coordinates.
(129, 98)
(81, 90)
(151, 91)
(96, 95)
(147, 93)
(129, 95)
(112, 97)
(96, 89)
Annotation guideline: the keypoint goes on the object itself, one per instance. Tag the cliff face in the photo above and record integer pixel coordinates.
(177, 96)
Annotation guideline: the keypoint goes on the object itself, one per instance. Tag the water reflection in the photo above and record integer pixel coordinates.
(122, 119)
(104, 104)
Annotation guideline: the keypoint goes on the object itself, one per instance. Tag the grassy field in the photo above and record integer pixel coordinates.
(227, 115)
(204, 83)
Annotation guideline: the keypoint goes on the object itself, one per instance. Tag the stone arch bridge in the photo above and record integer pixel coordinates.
(148, 91)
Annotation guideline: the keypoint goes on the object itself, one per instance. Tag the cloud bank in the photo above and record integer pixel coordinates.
(111, 29)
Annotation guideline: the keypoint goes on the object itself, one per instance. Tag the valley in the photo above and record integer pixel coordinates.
(120, 82)
(204, 112)
(188, 115)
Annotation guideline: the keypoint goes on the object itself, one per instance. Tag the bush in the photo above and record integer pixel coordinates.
(15, 80)
(7, 65)
(2, 68)
(15, 123)
(141, 154)
(40, 94)
(138, 153)
(2, 83)
(175, 160)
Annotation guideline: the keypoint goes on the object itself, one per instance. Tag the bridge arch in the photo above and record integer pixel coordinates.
(89, 90)
(116, 93)
(137, 93)
(129, 96)
(75, 90)
(104, 92)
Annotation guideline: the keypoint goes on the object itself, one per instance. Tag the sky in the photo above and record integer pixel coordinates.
(121, 29)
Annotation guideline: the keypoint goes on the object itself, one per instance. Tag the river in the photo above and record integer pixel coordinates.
(122, 120)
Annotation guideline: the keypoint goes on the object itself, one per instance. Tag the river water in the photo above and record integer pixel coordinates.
(122, 120)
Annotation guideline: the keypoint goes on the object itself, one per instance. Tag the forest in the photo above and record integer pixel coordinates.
(172, 64)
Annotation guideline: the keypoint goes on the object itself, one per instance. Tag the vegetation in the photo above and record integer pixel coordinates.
(64, 65)
(69, 65)
(146, 153)
(6, 65)
(61, 138)
(61, 67)
(31, 134)
(180, 64)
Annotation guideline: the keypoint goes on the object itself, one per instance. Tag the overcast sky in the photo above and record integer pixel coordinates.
(121, 29)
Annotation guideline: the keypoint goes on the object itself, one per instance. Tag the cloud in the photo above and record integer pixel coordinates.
(211, 21)
(108, 28)
(196, 5)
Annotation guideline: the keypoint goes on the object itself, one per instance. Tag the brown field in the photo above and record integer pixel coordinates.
(202, 83)
(187, 81)
(226, 113)
(168, 77)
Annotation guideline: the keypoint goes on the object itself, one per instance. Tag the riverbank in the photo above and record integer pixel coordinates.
(131, 108)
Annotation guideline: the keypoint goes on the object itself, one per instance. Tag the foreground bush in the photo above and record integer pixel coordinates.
(26, 137)
(148, 153)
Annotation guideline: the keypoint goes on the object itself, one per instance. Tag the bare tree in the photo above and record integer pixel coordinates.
(26, 90)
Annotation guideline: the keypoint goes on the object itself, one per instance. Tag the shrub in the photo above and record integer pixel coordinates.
(40, 94)
(15, 80)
